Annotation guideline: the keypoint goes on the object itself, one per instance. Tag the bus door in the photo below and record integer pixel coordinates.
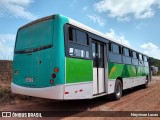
(98, 68)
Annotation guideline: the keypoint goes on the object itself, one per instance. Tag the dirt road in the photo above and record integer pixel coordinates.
(137, 99)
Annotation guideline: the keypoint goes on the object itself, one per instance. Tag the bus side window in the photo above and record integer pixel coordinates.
(141, 63)
(114, 53)
(140, 56)
(145, 60)
(125, 51)
(115, 48)
(72, 33)
(126, 56)
(134, 55)
(82, 37)
(134, 58)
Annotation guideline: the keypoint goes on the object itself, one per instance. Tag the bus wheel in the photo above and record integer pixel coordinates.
(146, 83)
(117, 90)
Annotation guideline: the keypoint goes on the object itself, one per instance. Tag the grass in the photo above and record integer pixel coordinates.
(7, 97)
(4, 92)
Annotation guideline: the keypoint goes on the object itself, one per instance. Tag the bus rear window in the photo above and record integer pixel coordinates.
(35, 36)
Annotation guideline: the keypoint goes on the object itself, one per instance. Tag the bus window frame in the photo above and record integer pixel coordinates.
(111, 53)
(67, 42)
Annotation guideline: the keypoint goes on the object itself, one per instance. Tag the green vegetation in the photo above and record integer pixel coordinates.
(155, 62)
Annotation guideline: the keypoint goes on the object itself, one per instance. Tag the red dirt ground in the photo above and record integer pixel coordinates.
(136, 99)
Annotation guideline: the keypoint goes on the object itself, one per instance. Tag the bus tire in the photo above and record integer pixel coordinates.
(146, 83)
(117, 90)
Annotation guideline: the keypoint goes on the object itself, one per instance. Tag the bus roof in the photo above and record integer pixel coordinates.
(82, 26)
(36, 21)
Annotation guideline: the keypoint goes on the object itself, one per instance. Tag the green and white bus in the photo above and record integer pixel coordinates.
(57, 57)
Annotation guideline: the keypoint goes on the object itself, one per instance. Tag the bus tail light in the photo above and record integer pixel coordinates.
(56, 69)
(53, 75)
(51, 81)
(81, 90)
(66, 92)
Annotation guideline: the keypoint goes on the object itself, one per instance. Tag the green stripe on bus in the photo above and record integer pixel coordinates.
(125, 71)
(78, 70)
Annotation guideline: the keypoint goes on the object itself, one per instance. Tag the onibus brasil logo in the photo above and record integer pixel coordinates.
(21, 114)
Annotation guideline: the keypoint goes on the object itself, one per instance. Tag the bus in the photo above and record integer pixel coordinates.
(56, 57)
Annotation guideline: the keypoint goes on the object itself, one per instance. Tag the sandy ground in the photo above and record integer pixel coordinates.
(136, 99)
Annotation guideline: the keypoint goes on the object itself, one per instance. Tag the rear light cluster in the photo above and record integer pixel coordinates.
(53, 75)
(56, 70)
(52, 81)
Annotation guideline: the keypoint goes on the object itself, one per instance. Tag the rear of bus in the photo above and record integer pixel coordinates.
(39, 58)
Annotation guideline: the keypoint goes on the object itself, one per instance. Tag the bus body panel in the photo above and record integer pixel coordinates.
(34, 70)
(53, 92)
(59, 51)
(78, 70)
(79, 77)
(131, 75)
(81, 90)
(28, 66)
(116, 70)
(129, 82)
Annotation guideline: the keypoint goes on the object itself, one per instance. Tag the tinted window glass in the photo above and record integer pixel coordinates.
(72, 33)
(78, 50)
(100, 55)
(126, 51)
(81, 37)
(126, 60)
(115, 57)
(135, 61)
(115, 48)
(134, 55)
(146, 64)
(141, 63)
(94, 54)
(37, 35)
(140, 56)
(145, 58)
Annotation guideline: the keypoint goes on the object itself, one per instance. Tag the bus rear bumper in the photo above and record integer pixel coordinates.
(54, 92)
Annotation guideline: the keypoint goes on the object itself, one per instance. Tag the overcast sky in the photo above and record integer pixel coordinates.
(133, 22)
